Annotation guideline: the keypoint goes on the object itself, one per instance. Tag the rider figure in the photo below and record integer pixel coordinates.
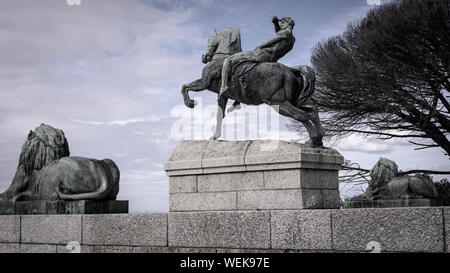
(269, 51)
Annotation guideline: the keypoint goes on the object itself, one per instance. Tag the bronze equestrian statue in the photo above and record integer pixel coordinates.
(255, 77)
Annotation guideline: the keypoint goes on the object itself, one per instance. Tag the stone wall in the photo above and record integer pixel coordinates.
(326, 230)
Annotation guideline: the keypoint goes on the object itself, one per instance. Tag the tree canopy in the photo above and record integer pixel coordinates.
(388, 75)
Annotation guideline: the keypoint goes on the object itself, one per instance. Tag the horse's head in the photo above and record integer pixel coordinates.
(225, 42)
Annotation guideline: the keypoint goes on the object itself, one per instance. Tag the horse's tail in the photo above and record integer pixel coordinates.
(306, 73)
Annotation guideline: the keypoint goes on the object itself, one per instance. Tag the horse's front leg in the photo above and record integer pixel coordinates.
(219, 117)
(196, 86)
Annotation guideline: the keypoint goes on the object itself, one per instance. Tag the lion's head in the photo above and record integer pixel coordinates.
(383, 172)
(42, 146)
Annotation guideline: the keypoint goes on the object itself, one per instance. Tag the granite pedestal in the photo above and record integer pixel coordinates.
(252, 175)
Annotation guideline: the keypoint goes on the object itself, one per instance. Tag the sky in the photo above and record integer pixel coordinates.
(109, 74)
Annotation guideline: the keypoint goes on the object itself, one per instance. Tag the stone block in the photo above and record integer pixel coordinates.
(51, 229)
(322, 179)
(392, 203)
(151, 249)
(331, 199)
(9, 229)
(35, 207)
(220, 229)
(230, 181)
(178, 172)
(7, 208)
(227, 169)
(125, 229)
(279, 199)
(301, 178)
(104, 207)
(191, 250)
(224, 153)
(37, 248)
(70, 207)
(258, 153)
(113, 249)
(9, 248)
(186, 156)
(202, 201)
(173, 250)
(273, 166)
(393, 229)
(446, 211)
(301, 229)
(73, 248)
(181, 184)
(282, 179)
(239, 250)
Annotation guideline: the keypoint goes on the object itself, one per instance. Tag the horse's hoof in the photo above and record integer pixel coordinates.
(314, 144)
(215, 137)
(192, 104)
(231, 109)
(237, 107)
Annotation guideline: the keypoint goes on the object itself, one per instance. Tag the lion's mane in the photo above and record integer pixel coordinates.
(383, 172)
(42, 146)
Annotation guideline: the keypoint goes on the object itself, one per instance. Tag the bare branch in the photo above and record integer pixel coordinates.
(423, 171)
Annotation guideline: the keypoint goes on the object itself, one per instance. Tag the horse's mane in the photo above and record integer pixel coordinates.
(42, 146)
(383, 172)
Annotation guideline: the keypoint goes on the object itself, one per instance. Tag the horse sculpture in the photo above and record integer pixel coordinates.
(286, 89)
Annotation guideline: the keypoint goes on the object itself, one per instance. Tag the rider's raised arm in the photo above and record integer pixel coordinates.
(276, 24)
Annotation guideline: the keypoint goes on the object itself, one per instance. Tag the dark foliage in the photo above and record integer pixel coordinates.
(388, 75)
(443, 188)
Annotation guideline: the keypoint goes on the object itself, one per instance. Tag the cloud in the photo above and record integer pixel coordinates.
(119, 122)
(109, 73)
(100, 72)
(140, 160)
(360, 143)
(143, 177)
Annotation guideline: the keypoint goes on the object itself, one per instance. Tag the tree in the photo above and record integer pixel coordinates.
(388, 75)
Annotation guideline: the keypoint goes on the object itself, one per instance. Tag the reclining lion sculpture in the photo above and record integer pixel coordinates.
(386, 183)
(47, 172)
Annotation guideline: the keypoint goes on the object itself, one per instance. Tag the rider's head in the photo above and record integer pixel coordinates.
(286, 22)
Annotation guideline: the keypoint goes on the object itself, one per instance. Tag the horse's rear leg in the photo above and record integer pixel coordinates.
(317, 123)
(222, 103)
(195, 86)
(289, 110)
(314, 118)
